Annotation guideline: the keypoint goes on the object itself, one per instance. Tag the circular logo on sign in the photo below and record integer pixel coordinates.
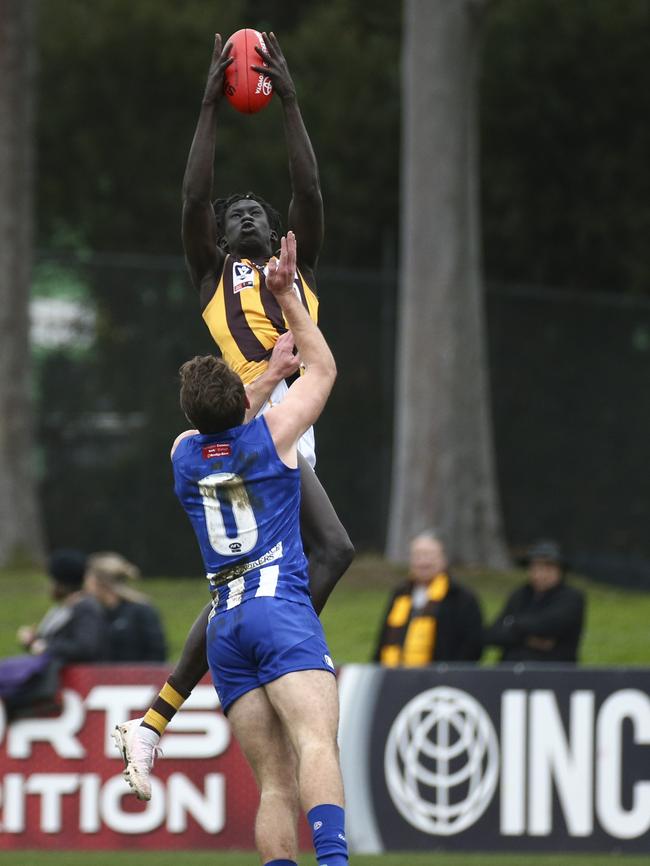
(442, 761)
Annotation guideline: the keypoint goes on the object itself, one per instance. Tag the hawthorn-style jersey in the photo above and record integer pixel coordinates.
(243, 503)
(245, 319)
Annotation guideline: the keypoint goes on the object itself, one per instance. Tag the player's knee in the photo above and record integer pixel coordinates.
(344, 552)
(283, 790)
(336, 553)
(278, 776)
(320, 743)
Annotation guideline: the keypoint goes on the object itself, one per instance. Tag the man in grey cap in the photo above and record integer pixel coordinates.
(542, 620)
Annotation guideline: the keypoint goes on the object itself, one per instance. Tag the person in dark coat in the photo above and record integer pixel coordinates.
(431, 617)
(134, 629)
(543, 619)
(73, 630)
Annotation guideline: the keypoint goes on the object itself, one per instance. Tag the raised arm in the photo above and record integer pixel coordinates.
(282, 364)
(307, 396)
(306, 207)
(204, 258)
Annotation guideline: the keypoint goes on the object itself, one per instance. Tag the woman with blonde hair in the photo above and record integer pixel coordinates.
(135, 632)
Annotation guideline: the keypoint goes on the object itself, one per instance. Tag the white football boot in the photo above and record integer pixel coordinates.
(139, 748)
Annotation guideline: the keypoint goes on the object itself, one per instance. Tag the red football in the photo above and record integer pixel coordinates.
(245, 89)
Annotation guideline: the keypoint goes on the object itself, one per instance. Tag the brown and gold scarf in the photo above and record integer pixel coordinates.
(409, 637)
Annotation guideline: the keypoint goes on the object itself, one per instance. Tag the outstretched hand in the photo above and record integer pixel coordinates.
(283, 363)
(282, 272)
(276, 67)
(220, 60)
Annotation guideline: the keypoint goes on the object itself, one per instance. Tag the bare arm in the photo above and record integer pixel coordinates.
(203, 256)
(306, 207)
(282, 364)
(307, 396)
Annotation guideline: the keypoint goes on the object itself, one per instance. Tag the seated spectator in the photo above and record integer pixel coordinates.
(73, 630)
(430, 617)
(135, 633)
(542, 620)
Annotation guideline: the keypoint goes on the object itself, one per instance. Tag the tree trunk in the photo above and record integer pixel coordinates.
(443, 464)
(20, 531)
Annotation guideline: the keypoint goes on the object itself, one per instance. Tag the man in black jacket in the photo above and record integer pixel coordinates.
(430, 618)
(543, 619)
(73, 630)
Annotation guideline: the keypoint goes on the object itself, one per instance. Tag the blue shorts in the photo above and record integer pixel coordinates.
(260, 640)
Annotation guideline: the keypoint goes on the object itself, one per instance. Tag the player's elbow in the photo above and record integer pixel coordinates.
(310, 192)
(328, 374)
(331, 371)
(192, 203)
(325, 368)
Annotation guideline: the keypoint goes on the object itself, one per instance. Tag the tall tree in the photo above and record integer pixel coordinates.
(20, 534)
(443, 465)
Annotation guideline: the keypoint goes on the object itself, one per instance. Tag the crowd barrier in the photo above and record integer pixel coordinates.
(442, 758)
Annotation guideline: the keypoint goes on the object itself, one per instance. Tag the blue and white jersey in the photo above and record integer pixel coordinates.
(243, 503)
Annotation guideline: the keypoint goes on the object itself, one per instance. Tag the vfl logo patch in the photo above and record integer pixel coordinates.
(219, 449)
(242, 277)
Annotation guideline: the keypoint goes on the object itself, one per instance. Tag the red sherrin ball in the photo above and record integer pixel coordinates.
(248, 91)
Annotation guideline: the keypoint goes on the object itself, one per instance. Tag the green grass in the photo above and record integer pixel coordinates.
(616, 631)
(218, 858)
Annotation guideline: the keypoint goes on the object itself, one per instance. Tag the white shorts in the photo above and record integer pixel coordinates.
(307, 442)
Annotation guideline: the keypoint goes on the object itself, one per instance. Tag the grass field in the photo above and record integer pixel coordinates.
(616, 630)
(217, 858)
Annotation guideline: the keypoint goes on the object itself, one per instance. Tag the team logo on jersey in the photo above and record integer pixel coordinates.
(219, 449)
(243, 277)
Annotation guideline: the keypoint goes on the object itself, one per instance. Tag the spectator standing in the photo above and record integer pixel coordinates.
(431, 617)
(134, 629)
(543, 619)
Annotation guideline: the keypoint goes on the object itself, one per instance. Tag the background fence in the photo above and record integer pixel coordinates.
(570, 378)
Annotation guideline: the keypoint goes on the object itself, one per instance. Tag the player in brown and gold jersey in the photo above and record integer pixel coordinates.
(242, 315)
(227, 247)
